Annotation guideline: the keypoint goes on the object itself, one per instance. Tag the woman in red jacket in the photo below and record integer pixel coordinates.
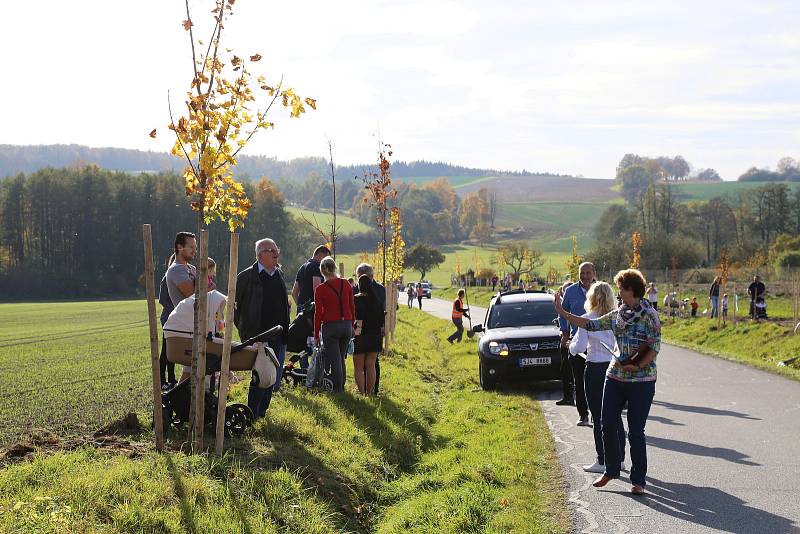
(333, 320)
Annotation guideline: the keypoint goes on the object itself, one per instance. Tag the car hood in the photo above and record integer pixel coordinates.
(520, 332)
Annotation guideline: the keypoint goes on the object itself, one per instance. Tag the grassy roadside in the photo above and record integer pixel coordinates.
(433, 453)
(761, 345)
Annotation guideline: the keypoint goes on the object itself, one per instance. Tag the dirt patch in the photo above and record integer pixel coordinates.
(109, 438)
(126, 426)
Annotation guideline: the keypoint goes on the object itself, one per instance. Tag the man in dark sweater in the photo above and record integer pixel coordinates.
(261, 303)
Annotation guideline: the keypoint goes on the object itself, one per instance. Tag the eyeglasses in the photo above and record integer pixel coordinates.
(270, 250)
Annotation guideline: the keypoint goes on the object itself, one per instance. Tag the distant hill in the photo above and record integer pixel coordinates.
(15, 159)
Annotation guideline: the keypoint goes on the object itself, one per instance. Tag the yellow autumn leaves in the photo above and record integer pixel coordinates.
(222, 113)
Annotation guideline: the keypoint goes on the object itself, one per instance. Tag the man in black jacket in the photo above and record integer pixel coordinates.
(261, 303)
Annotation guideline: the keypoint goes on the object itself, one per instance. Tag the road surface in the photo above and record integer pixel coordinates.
(723, 444)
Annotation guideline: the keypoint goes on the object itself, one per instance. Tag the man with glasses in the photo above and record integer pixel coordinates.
(261, 303)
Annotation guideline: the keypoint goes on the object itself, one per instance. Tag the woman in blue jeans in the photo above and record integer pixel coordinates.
(630, 378)
(599, 301)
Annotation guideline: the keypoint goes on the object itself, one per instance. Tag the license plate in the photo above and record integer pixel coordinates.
(527, 362)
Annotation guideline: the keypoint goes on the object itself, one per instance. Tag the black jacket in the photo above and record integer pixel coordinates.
(249, 296)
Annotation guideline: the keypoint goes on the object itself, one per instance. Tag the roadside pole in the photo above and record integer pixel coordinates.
(226, 344)
(158, 419)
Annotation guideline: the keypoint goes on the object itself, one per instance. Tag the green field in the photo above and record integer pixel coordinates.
(707, 191)
(455, 181)
(347, 225)
(465, 256)
(550, 225)
(433, 453)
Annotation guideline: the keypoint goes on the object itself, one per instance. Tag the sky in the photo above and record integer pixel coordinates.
(563, 87)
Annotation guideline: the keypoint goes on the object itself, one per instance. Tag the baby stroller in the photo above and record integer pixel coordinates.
(758, 308)
(176, 401)
(315, 376)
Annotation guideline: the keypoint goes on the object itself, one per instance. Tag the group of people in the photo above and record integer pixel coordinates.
(343, 313)
(609, 362)
(415, 291)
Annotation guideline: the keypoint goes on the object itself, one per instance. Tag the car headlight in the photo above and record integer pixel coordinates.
(498, 349)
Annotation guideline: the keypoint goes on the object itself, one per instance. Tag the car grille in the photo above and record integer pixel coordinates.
(546, 344)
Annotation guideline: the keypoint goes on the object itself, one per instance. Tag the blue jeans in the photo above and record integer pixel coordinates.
(258, 399)
(714, 306)
(639, 396)
(594, 378)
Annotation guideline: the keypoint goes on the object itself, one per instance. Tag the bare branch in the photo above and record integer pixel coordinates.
(191, 39)
(261, 117)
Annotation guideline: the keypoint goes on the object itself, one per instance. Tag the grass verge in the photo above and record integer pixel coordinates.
(433, 453)
(762, 345)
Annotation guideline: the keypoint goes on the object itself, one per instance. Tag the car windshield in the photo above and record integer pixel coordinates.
(426, 286)
(539, 313)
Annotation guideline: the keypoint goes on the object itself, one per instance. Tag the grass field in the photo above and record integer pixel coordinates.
(434, 453)
(707, 191)
(467, 256)
(455, 181)
(550, 225)
(347, 225)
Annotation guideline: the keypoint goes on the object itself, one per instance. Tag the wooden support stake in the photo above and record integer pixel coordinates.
(226, 345)
(158, 419)
(199, 378)
(735, 302)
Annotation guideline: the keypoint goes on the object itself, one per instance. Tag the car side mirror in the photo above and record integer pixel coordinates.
(478, 328)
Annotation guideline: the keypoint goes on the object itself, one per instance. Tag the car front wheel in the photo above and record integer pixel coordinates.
(488, 381)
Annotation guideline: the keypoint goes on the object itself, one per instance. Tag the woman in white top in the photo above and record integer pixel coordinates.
(652, 295)
(597, 346)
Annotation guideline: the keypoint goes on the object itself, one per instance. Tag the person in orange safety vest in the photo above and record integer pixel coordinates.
(459, 312)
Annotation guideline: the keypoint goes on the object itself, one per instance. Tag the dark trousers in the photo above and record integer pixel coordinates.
(336, 335)
(567, 381)
(459, 333)
(166, 368)
(594, 378)
(578, 365)
(419, 299)
(258, 399)
(639, 396)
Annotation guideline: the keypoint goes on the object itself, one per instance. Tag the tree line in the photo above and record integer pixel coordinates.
(78, 232)
(16, 159)
(756, 228)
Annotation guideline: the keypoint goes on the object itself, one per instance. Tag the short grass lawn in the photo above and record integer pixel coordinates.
(433, 453)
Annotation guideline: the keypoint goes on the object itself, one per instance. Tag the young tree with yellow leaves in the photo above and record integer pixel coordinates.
(225, 107)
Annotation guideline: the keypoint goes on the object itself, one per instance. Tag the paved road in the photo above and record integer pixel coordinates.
(723, 444)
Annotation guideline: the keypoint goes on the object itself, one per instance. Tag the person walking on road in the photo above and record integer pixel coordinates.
(631, 378)
(574, 301)
(420, 294)
(410, 293)
(599, 301)
(458, 314)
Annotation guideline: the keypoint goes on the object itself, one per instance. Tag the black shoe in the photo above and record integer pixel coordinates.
(565, 402)
(449, 340)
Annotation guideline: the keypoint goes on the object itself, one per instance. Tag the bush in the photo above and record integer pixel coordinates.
(788, 260)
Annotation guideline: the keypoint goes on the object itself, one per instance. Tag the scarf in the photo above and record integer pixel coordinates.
(628, 316)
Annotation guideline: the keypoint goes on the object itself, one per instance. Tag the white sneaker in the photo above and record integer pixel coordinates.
(595, 468)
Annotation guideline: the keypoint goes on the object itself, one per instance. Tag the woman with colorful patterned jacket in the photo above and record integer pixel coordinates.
(631, 375)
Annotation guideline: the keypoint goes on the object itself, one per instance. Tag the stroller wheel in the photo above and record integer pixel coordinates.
(237, 418)
(327, 385)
